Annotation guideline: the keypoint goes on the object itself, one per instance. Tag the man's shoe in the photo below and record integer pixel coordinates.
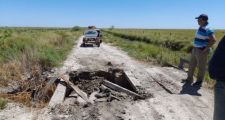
(187, 81)
(197, 84)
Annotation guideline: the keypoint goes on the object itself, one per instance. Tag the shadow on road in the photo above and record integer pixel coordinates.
(87, 45)
(187, 88)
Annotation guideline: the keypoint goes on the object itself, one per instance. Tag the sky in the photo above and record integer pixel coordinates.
(149, 14)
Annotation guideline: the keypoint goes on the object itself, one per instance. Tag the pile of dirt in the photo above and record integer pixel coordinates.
(89, 86)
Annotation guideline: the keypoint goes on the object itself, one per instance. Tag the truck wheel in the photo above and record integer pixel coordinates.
(83, 44)
(98, 44)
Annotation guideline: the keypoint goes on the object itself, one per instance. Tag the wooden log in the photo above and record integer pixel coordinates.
(81, 93)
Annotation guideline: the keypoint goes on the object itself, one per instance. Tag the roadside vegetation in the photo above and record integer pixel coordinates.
(27, 52)
(164, 47)
(175, 40)
(2, 103)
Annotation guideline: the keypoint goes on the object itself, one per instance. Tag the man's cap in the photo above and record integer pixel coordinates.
(203, 17)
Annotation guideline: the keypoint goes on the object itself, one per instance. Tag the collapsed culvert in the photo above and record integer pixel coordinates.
(116, 76)
(100, 86)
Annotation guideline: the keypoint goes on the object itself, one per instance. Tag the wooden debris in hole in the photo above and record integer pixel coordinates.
(75, 88)
(121, 89)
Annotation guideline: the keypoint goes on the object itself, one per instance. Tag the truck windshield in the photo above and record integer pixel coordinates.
(90, 33)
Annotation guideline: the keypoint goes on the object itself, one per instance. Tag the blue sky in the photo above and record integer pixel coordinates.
(105, 13)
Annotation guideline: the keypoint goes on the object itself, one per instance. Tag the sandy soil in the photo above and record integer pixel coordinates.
(172, 100)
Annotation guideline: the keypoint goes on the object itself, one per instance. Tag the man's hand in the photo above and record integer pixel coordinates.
(212, 40)
(205, 50)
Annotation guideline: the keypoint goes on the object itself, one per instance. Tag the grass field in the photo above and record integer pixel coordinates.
(176, 40)
(164, 47)
(30, 51)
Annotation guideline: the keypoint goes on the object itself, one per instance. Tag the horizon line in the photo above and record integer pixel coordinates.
(102, 27)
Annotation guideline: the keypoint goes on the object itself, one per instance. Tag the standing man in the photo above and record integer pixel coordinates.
(217, 72)
(204, 39)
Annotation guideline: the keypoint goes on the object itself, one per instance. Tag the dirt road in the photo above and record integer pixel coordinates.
(172, 100)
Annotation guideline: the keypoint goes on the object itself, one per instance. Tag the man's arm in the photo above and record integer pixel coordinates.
(212, 40)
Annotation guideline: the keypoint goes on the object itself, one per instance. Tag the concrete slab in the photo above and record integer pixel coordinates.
(133, 81)
(120, 89)
(58, 96)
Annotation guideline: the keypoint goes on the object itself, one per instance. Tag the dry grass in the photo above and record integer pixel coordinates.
(28, 52)
(22, 97)
(10, 72)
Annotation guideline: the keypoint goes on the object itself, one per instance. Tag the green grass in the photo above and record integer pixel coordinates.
(24, 48)
(143, 51)
(164, 47)
(48, 47)
(176, 40)
(3, 104)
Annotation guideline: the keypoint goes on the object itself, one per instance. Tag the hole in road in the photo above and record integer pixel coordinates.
(90, 81)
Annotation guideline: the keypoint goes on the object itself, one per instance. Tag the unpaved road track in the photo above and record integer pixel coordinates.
(172, 100)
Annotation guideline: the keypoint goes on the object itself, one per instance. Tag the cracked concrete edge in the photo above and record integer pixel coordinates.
(58, 96)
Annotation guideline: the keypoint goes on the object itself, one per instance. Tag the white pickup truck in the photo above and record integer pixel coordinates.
(92, 36)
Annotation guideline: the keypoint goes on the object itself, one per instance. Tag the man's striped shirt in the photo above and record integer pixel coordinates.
(202, 36)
